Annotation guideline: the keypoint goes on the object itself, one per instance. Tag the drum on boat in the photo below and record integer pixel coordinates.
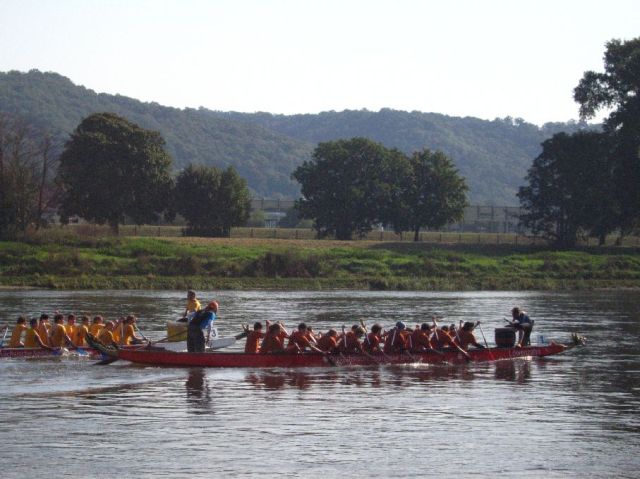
(505, 337)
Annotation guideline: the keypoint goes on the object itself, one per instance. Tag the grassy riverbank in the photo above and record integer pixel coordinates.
(182, 263)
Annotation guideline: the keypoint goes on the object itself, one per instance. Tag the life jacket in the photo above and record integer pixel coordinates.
(395, 341)
(420, 340)
(253, 342)
(271, 343)
(441, 339)
(371, 342)
(298, 341)
(350, 343)
(328, 343)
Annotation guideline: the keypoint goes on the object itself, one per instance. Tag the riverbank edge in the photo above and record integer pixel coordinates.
(99, 282)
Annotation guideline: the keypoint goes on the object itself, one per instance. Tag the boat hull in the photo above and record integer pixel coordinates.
(312, 359)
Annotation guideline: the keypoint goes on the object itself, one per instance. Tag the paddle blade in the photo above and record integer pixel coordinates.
(221, 343)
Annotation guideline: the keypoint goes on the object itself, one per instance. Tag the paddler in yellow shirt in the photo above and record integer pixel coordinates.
(32, 338)
(16, 334)
(79, 339)
(106, 335)
(44, 328)
(70, 327)
(129, 332)
(96, 326)
(193, 306)
(59, 337)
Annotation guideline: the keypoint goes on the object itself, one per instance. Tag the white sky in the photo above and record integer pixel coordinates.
(486, 58)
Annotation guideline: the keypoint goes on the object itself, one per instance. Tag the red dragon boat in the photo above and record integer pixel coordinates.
(157, 357)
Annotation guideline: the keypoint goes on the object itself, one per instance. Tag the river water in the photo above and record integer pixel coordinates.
(574, 415)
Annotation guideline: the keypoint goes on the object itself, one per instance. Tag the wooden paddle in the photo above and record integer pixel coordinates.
(6, 330)
(485, 342)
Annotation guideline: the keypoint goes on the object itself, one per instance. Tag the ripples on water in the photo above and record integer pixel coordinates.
(569, 416)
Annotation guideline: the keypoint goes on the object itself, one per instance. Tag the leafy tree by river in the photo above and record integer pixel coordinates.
(433, 193)
(618, 89)
(587, 183)
(212, 201)
(346, 187)
(351, 185)
(112, 168)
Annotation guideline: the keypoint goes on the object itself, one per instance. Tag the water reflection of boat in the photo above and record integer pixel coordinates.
(312, 359)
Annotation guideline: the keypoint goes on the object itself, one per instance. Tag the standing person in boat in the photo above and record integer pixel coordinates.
(192, 307)
(44, 328)
(79, 339)
(16, 334)
(524, 325)
(466, 336)
(32, 338)
(197, 324)
(59, 337)
(273, 341)
(129, 335)
(252, 346)
(371, 343)
(328, 342)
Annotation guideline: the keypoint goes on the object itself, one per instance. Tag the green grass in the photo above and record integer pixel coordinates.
(74, 262)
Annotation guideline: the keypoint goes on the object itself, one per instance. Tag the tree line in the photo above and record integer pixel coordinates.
(110, 169)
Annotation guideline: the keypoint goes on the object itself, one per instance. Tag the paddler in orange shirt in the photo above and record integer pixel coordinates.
(252, 346)
(299, 340)
(350, 342)
(420, 339)
(59, 337)
(328, 342)
(273, 341)
(16, 334)
(467, 338)
(396, 339)
(371, 343)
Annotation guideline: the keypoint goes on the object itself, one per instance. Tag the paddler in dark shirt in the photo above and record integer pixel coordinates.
(524, 325)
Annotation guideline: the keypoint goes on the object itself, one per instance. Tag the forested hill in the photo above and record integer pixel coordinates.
(266, 148)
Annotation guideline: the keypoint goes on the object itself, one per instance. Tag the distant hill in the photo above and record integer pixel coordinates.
(266, 148)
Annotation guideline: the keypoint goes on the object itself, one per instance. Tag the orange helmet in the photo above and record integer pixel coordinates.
(213, 305)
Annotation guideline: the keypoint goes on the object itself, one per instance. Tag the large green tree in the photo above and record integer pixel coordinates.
(111, 169)
(434, 194)
(349, 186)
(212, 200)
(567, 190)
(618, 89)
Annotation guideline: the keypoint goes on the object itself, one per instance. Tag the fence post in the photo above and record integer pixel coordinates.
(251, 233)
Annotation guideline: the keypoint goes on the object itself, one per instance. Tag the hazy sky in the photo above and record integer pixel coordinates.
(485, 58)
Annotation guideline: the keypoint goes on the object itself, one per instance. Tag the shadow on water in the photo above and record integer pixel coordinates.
(392, 376)
(198, 391)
